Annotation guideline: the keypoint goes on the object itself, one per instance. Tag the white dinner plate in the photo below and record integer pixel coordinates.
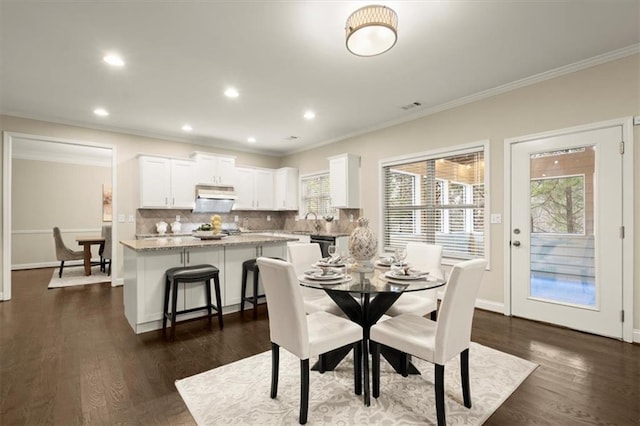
(412, 275)
(329, 265)
(385, 261)
(317, 274)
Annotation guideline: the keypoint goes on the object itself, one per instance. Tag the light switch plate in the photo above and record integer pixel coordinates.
(121, 218)
(268, 218)
(235, 218)
(496, 218)
(131, 218)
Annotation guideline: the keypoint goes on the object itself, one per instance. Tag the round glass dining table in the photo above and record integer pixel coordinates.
(364, 296)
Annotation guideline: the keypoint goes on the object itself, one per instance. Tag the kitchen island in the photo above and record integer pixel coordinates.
(145, 262)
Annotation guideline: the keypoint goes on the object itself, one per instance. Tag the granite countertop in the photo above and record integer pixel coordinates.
(250, 232)
(173, 242)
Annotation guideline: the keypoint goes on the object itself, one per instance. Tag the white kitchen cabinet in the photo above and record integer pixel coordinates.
(344, 181)
(214, 169)
(166, 182)
(286, 188)
(145, 283)
(254, 188)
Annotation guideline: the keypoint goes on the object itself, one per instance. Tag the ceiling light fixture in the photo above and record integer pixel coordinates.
(114, 60)
(309, 115)
(251, 139)
(231, 92)
(371, 30)
(101, 112)
(187, 127)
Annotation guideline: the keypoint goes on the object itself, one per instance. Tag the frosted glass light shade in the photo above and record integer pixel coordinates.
(371, 30)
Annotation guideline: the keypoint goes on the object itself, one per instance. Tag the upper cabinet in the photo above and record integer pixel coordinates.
(166, 182)
(214, 169)
(344, 177)
(286, 189)
(254, 188)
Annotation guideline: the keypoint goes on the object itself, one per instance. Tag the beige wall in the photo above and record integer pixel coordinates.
(126, 147)
(595, 94)
(599, 93)
(47, 194)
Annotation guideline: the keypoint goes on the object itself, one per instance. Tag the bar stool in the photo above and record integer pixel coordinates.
(190, 274)
(251, 265)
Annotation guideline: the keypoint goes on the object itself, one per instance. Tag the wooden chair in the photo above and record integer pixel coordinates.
(63, 253)
(303, 335)
(435, 342)
(428, 258)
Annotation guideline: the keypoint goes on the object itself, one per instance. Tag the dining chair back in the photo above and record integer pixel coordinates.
(105, 249)
(302, 256)
(64, 253)
(426, 258)
(436, 342)
(305, 336)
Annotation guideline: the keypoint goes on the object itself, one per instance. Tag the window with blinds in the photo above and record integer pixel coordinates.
(437, 200)
(316, 196)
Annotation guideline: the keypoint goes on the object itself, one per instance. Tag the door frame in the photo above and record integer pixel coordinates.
(7, 156)
(626, 123)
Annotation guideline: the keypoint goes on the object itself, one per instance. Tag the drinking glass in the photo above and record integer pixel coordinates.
(400, 254)
(332, 250)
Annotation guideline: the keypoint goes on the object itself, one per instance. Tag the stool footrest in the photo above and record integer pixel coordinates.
(185, 311)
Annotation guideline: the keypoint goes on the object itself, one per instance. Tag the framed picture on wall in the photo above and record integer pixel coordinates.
(106, 203)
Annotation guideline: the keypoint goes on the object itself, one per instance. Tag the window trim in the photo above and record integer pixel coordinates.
(436, 154)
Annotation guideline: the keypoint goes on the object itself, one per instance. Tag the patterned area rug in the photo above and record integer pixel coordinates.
(75, 276)
(238, 393)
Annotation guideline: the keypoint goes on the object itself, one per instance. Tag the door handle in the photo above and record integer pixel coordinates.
(516, 243)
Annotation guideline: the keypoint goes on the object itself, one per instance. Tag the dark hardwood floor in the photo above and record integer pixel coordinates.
(68, 356)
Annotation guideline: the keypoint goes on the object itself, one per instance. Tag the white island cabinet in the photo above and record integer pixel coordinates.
(146, 261)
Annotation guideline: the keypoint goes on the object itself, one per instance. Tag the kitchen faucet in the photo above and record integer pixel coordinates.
(316, 225)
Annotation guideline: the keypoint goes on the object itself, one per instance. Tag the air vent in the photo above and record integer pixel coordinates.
(411, 106)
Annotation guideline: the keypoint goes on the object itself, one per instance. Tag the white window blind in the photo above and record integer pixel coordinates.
(316, 195)
(437, 200)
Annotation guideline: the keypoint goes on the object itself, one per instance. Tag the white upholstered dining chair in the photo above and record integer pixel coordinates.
(302, 256)
(427, 258)
(305, 336)
(436, 342)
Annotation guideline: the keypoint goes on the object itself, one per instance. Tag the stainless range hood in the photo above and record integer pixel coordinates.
(214, 199)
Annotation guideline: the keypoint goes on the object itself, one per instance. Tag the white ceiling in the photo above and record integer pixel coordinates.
(284, 57)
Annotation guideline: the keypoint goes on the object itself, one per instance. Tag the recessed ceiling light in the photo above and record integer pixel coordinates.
(231, 92)
(114, 60)
(187, 127)
(101, 112)
(251, 139)
(309, 115)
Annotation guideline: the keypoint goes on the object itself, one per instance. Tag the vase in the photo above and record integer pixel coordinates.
(363, 245)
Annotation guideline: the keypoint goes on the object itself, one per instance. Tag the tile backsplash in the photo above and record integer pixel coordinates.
(146, 220)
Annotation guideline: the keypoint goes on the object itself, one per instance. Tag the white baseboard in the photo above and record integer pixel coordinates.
(56, 264)
(489, 305)
(636, 335)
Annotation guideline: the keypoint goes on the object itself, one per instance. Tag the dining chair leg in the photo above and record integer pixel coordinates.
(61, 267)
(167, 288)
(375, 369)
(174, 307)
(439, 379)
(275, 365)
(357, 368)
(404, 364)
(304, 390)
(464, 371)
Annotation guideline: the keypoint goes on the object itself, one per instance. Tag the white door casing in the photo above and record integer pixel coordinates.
(613, 194)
